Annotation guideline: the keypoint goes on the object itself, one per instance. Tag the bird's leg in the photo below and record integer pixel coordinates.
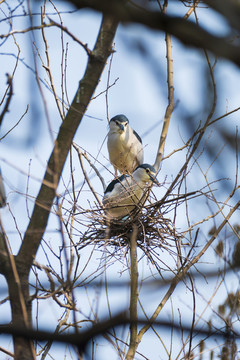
(116, 174)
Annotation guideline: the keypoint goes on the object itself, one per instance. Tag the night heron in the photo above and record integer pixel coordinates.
(124, 193)
(124, 145)
(2, 192)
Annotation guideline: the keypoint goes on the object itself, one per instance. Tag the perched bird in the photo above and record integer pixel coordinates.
(2, 192)
(124, 193)
(124, 146)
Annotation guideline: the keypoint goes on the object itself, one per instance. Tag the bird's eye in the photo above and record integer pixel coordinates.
(125, 124)
(147, 170)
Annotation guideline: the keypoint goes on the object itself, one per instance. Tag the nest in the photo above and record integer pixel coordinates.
(154, 229)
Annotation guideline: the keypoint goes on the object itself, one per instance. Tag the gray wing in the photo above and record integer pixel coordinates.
(114, 182)
(137, 136)
(139, 149)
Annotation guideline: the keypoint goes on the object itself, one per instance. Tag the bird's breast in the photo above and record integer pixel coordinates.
(124, 154)
(116, 146)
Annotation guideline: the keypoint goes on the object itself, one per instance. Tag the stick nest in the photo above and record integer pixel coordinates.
(154, 229)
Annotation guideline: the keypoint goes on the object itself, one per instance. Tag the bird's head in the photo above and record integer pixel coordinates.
(145, 173)
(119, 123)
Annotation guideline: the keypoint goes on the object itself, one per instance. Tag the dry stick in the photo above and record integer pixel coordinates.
(108, 86)
(133, 295)
(186, 16)
(190, 336)
(170, 106)
(168, 112)
(6, 352)
(31, 28)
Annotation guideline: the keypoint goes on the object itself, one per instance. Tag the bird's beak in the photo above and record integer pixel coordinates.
(121, 127)
(154, 180)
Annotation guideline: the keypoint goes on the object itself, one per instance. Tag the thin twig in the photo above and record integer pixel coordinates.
(14, 32)
(6, 352)
(15, 124)
(190, 11)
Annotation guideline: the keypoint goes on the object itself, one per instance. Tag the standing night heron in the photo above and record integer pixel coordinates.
(124, 145)
(2, 192)
(124, 193)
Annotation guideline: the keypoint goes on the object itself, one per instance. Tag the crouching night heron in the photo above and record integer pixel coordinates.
(124, 145)
(2, 192)
(124, 193)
